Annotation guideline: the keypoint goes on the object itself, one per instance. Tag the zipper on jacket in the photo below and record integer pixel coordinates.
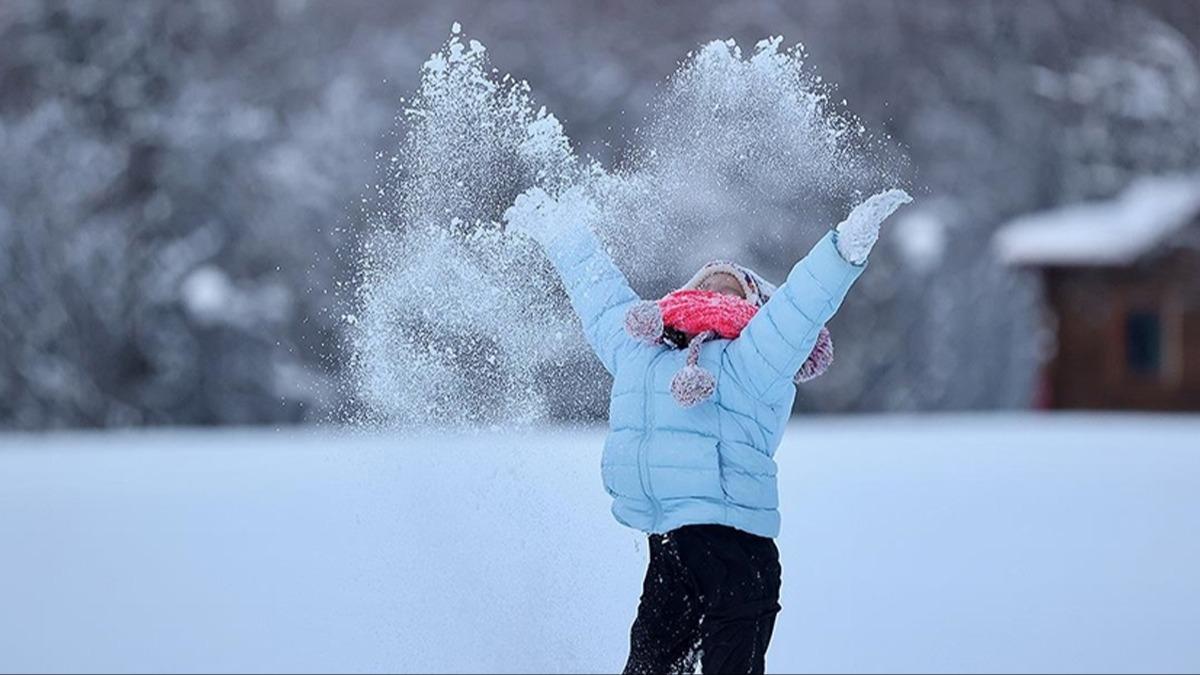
(643, 461)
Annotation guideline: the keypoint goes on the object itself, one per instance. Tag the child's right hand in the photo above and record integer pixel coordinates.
(537, 214)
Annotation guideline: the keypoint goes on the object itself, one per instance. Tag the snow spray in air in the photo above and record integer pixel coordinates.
(459, 324)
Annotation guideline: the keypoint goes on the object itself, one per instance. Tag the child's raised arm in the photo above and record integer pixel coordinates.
(599, 292)
(781, 335)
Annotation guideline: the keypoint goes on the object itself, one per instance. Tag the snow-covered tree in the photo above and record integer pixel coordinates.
(182, 184)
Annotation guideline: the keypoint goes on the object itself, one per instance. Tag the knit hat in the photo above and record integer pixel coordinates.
(755, 289)
(688, 317)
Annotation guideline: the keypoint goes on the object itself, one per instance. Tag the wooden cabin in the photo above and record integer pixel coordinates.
(1122, 285)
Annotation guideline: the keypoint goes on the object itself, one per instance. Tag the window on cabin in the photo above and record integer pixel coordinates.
(1143, 342)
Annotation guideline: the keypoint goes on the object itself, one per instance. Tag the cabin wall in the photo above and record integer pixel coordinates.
(1106, 321)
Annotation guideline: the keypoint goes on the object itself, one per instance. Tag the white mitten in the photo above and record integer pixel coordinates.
(856, 235)
(537, 214)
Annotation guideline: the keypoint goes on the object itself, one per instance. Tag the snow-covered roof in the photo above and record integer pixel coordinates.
(1111, 232)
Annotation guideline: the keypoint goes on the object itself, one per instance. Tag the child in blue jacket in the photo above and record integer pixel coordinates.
(692, 432)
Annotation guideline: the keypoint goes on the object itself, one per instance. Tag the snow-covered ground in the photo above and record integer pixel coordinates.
(980, 543)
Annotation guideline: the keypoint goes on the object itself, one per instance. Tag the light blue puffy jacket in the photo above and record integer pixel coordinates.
(665, 465)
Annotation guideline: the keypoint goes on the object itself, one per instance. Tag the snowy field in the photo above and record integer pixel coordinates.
(981, 543)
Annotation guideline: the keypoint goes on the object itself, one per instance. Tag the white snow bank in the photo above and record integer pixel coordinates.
(1003, 544)
(1109, 232)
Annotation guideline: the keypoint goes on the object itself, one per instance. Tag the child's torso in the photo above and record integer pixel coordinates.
(667, 465)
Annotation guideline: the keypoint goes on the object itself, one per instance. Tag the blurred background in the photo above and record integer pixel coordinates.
(180, 187)
(184, 187)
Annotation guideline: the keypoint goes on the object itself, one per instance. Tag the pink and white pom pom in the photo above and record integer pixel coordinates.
(644, 322)
(694, 384)
(819, 359)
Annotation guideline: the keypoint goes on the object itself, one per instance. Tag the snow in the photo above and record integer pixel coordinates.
(1023, 543)
(206, 293)
(1108, 232)
(211, 297)
(732, 151)
(859, 231)
(920, 236)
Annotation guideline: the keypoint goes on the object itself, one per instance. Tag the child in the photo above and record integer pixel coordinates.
(688, 458)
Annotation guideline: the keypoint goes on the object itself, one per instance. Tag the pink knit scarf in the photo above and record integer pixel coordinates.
(694, 312)
(701, 316)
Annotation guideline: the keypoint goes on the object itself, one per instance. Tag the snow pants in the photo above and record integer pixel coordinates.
(711, 594)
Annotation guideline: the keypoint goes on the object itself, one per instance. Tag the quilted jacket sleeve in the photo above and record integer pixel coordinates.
(599, 292)
(781, 335)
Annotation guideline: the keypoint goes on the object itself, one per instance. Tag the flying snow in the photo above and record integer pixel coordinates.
(461, 324)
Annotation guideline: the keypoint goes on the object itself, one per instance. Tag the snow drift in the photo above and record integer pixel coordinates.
(1021, 543)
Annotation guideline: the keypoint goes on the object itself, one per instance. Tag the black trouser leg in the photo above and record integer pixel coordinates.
(738, 575)
(711, 586)
(736, 641)
(665, 634)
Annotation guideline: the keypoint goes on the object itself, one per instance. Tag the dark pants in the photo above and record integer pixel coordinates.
(711, 594)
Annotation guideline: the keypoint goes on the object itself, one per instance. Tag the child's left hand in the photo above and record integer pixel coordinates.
(859, 231)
